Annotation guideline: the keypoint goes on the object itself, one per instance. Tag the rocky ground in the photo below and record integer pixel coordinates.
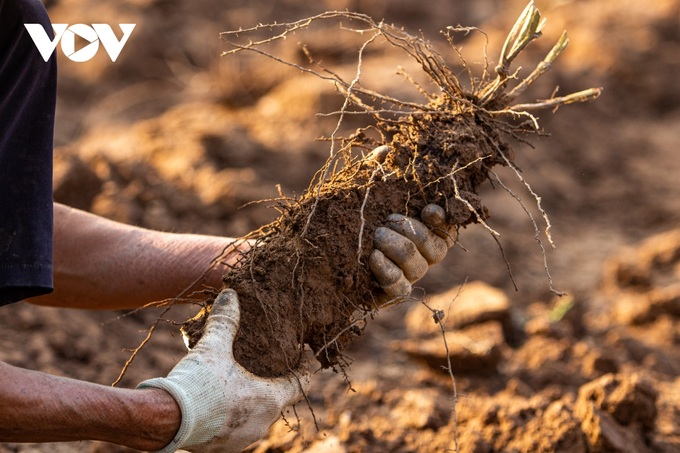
(173, 137)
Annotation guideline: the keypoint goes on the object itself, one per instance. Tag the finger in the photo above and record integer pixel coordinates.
(434, 216)
(385, 271)
(401, 288)
(223, 321)
(402, 251)
(432, 247)
(390, 277)
(380, 153)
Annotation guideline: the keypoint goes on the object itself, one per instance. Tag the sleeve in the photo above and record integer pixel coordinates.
(27, 104)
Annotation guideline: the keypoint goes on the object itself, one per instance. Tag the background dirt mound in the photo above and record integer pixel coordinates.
(173, 137)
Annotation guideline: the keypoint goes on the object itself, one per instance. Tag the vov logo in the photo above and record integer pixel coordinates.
(67, 34)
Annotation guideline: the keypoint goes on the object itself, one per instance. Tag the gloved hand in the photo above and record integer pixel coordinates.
(405, 247)
(224, 407)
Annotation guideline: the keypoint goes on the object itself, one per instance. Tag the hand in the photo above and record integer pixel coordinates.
(224, 407)
(405, 248)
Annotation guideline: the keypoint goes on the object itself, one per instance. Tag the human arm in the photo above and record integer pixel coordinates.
(38, 407)
(102, 264)
(99, 238)
(208, 402)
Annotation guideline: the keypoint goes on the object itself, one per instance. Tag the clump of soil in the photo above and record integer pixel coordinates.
(308, 275)
(306, 281)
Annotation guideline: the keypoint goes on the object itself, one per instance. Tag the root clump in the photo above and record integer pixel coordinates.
(306, 280)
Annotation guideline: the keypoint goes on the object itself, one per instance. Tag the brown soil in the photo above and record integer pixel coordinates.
(173, 137)
(309, 276)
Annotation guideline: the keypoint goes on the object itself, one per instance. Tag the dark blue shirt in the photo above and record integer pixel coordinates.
(27, 102)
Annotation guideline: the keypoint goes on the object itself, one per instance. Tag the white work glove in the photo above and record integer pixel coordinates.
(224, 407)
(404, 248)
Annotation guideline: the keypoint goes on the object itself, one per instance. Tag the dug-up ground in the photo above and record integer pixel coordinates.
(173, 137)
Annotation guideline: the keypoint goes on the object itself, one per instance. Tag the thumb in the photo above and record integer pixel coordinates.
(223, 321)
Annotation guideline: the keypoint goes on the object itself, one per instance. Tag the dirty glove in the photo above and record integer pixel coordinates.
(405, 248)
(224, 407)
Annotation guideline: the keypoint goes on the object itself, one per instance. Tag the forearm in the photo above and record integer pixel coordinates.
(101, 264)
(38, 407)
